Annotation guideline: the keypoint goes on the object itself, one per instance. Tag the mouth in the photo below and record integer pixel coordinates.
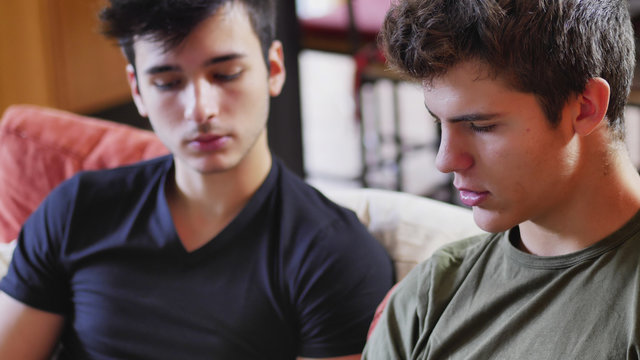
(472, 198)
(208, 142)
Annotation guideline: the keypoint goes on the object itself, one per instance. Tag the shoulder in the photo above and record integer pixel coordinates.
(306, 205)
(457, 252)
(100, 193)
(128, 174)
(440, 275)
(458, 256)
(321, 232)
(447, 267)
(107, 183)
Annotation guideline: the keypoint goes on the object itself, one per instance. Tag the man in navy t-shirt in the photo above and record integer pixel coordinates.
(215, 251)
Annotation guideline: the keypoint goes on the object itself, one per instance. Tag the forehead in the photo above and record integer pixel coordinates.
(226, 31)
(468, 86)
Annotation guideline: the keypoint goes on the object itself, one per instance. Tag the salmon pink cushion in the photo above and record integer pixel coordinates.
(41, 147)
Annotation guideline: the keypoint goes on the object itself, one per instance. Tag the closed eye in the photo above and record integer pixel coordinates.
(481, 129)
(471, 121)
(167, 85)
(227, 77)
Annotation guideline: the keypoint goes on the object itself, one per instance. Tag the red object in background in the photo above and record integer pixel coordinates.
(352, 27)
(337, 27)
(41, 147)
(368, 16)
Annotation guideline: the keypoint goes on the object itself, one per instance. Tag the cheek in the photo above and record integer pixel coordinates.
(249, 100)
(167, 106)
(511, 167)
(165, 118)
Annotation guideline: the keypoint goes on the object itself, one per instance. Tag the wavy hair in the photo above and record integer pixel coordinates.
(550, 48)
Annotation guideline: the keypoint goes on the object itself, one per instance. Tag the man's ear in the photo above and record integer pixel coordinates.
(135, 90)
(594, 102)
(277, 73)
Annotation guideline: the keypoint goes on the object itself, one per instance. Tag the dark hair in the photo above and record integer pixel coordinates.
(171, 21)
(550, 48)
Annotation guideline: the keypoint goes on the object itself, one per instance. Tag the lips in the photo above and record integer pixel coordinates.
(208, 142)
(472, 198)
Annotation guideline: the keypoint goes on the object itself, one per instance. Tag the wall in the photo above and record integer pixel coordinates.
(52, 54)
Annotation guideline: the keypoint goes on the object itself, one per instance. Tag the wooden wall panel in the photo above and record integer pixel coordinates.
(26, 72)
(90, 68)
(52, 54)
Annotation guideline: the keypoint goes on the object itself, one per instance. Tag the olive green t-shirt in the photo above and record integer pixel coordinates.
(482, 298)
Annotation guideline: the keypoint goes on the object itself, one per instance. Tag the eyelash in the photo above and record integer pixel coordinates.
(226, 78)
(472, 127)
(481, 129)
(168, 86)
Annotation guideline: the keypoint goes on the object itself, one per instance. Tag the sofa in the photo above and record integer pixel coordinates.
(41, 147)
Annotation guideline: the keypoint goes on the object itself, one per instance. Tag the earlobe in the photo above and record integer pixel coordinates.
(594, 102)
(277, 73)
(135, 90)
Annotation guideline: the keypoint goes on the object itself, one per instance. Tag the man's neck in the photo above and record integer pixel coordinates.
(607, 198)
(204, 204)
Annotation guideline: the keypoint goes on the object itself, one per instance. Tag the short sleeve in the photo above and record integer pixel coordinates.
(343, 276)
(36, 276)
(397, 330)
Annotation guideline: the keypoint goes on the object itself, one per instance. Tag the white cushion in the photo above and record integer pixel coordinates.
(6, 250)
(410, 227)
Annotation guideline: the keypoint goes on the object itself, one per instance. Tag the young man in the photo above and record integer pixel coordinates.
(529, 96)
(214, 252)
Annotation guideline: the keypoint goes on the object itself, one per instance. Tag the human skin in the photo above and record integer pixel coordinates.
(508, 162)
(208, 98)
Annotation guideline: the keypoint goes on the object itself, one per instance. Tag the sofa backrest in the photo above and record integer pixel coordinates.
(410, 227)
(41, 147)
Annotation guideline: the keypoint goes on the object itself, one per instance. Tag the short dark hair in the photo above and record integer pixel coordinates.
(550, 48)
(171, 21)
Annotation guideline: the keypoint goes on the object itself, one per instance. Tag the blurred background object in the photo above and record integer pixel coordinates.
(342, 120)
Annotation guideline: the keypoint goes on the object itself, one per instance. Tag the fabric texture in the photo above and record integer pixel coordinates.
(41, 147)
(293, 274)
(482, 298)
(410, 227)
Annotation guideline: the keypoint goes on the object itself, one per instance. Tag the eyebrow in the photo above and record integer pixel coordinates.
(467, 117)
(223, 58)
(216, 60)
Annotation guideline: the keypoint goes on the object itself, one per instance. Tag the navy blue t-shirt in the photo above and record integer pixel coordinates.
(292, 275)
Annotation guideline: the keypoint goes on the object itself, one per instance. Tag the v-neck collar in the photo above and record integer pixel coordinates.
(164, 219)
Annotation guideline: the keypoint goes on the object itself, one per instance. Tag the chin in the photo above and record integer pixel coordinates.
(492, 221)
(211, 166)
(216, 168)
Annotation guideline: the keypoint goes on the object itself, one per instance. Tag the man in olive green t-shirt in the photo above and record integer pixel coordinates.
(529, 96)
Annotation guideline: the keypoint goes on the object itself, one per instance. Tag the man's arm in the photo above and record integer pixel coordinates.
(27, 333)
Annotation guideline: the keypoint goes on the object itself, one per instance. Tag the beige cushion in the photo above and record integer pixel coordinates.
(410, 227)
(6, 250)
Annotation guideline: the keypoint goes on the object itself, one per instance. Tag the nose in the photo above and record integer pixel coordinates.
(202, 101)
(453, 155)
